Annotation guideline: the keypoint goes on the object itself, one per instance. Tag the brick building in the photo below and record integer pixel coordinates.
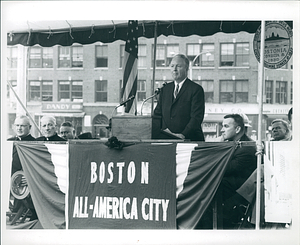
(82, 84)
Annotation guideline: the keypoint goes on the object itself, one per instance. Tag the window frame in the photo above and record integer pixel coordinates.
(70, 91)
(104, 58)
(104, 92)
(142, 59)
(42, 57)
(202, 60)
(269, 91)
(166, 59)
(279, 94)
(69, 57)
(208, 90)
(141, 90)
(41, 90)
(234, 54)
(234, 91)
(12, 60)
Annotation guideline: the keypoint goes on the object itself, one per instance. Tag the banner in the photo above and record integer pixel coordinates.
(45, 169)
(142, 186)
(132, 188)
(202, 178)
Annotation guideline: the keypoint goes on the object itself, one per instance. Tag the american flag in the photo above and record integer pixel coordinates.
(129, 85)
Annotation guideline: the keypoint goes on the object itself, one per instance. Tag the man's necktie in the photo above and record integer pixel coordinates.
(176, 90)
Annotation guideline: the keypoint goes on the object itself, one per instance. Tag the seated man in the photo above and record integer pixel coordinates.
(48, 128)
(22, 129)
(67, 131)
(280, 132)
(239, 168)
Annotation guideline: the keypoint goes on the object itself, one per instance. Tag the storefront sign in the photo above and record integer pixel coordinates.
(66, 107)
(278, 44)
(209, 127)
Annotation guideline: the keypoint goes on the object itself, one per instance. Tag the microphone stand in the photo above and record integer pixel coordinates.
(156, 93)
(123, 103)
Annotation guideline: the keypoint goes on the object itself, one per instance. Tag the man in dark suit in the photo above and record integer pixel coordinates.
(239, 168)
(49, 130)
(243, 161)
(67, 131)
(181, 103)
(22, 128)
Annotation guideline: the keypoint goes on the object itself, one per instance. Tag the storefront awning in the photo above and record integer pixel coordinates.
(76, 114)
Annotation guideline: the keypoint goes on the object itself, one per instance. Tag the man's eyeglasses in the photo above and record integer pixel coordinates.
(20, 125)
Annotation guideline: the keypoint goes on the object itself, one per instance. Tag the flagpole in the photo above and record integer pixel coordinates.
(154, 65)
(259, 144)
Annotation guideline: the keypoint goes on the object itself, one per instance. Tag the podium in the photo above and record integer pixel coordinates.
(128, 127)
(131, 127)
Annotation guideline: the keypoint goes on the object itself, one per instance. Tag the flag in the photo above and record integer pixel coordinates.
(46, 170)
(129, 83)
(199, 174)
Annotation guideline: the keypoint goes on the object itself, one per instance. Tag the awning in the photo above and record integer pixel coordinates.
(80, 114)
(66, 33)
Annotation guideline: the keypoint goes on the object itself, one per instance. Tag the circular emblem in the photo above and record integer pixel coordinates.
(278, 44)
(17, 188)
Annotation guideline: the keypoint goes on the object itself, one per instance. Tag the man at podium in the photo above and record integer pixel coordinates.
(181, 104)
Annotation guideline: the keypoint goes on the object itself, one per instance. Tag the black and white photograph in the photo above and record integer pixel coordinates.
(150, 122)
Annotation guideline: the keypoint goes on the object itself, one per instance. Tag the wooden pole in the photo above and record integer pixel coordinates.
(259, 142)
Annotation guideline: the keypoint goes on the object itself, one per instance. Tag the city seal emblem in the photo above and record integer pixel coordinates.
(278, 44)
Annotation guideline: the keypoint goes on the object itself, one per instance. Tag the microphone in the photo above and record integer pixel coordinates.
(157, 91)
(129, 99)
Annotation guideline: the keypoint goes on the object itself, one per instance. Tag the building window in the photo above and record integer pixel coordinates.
(234, 91)
(142, 55)
(235, 54)
(206, 59)
(101, 56)
(70, 56)
(269, 91)
(9, 93)
(101, 91)
(208, 87)
(40, 90)
(141, 90)
(70, 91)
(12, 59)
(164, 54)
(40, 57)
(281, 92)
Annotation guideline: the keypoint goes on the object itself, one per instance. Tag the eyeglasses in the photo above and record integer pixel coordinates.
(20, 125)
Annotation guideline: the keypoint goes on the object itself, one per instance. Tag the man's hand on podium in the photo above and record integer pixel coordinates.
(179, 136)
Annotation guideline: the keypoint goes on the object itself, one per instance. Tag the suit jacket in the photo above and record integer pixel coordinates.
(54, 137)
(26, 138)
(240, 167)
(16, 163)
(185, 113)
